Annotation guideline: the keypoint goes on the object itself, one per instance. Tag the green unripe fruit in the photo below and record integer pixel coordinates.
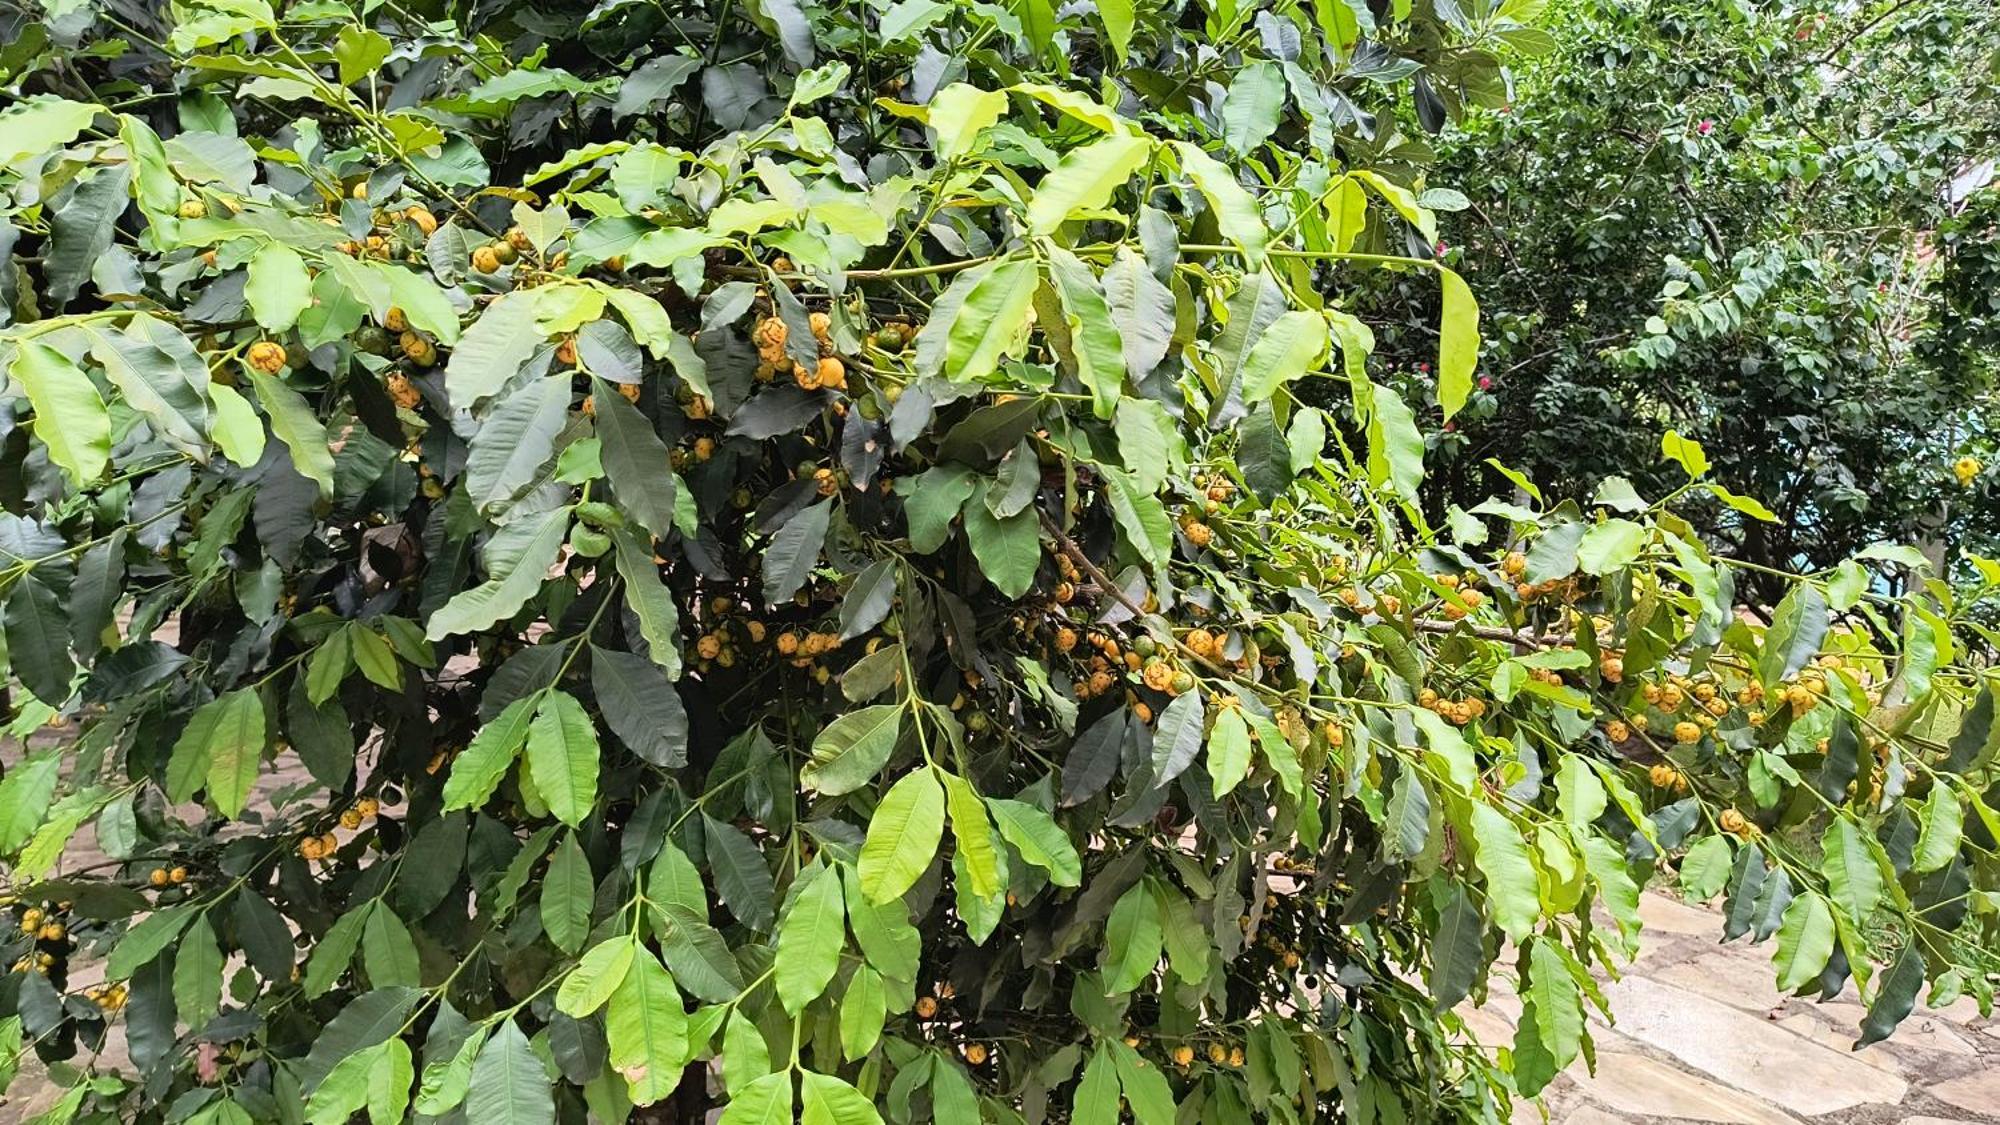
(588, 541)
(597, 513)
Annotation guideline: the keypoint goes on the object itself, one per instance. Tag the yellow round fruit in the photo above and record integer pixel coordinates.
(266, 356)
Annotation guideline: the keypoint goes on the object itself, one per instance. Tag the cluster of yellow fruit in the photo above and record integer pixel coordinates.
(384, 241)
(1664, 776)
(42, 924)
(1360, 601)
(325, 844)
(167, 876)
(110, 997)
(1455, 711)
(770, 336)
(501, 251)
(1196, 532)
(402, 391)
(1217, 1054)
(1736, 824)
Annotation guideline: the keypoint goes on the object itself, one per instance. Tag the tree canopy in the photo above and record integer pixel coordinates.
(856, 562)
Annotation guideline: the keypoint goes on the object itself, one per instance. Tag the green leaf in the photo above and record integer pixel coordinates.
(1939, 831)
(1235, 209)
(1512, 895)
(863, 1008)
(811, 936)
(1686, 451)
(992, 322)
(335, 951)
(478, 769)
(1008, 551)
(1093, 334)
(144, 941)
(494, 349)
(1805, 941)
(767, 1101)
(641, 706)
(70, 417)
(509, 1086)
(645, 1028)
(221, 747)
(237, 430)
(1611, 545)
(1085, 179)
(1228, 750)
(958, 114)
(1097, 1095)
(1705, 868)
(741, 875)
(1458, 951)
(977, 854)
(563, 757)
(38, 640)
(794, 551)
(1458, 342)
(1852, 876)
(517, 558)
(746, 1057)
(516, 440)
(1294, 344)
(1894, 997)
(1556, 1001)
(1797, 628)
(635, 460)
(1133, 940)
(1579, 794)
(933, 501)
(650, 601)
(1039, 839)
(1146, 1088)
(1251, 109)
(158, 371)
(25, 795)
(826, 1100)
(41, 123)
(297, 425)
(1395, 447)
(597, 975)
(567, 892)
(387, 951)
(198, 965)
(853, 749)
(1141, 517)
(279, 288)
(903, 836)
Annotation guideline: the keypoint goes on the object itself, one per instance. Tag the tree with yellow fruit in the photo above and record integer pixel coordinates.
(820, 591)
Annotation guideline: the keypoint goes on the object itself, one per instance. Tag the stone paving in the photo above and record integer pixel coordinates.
(1701, 1034)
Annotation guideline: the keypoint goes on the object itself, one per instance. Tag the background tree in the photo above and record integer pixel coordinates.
(605, 562)
(1753, 224)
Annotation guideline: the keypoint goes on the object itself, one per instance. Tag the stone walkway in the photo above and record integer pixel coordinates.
(1703, 1035)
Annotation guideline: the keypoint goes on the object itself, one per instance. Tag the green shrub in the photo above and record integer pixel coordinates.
(768, 556)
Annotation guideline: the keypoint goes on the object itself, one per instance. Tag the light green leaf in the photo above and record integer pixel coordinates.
(903, 836)
(826, 1100)
(1294, 344)
(1852, 875)
(70, 417)
(1512, 896)
(518, 558)
(1133, 940)
(1039, 839)
(1235, 209)
(563, 757)
(509, 1086)
(645, 1028)
(1805, 941)
(1458, 342)
(1228, 750)
(959, 113)
(597, 975)
(298, 426)
(992, 321)
(853, 749)
(1251, 109)
(811, 936)
(1085, 180)
(567, 891)
(1939, 831)
(279, 288)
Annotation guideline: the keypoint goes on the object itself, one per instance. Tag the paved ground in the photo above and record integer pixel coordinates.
(1702, 1035)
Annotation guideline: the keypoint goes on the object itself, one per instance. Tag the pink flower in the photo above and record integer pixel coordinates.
(1705, 128)
(1423, 368)
(1441, 248)
(1485, 382)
